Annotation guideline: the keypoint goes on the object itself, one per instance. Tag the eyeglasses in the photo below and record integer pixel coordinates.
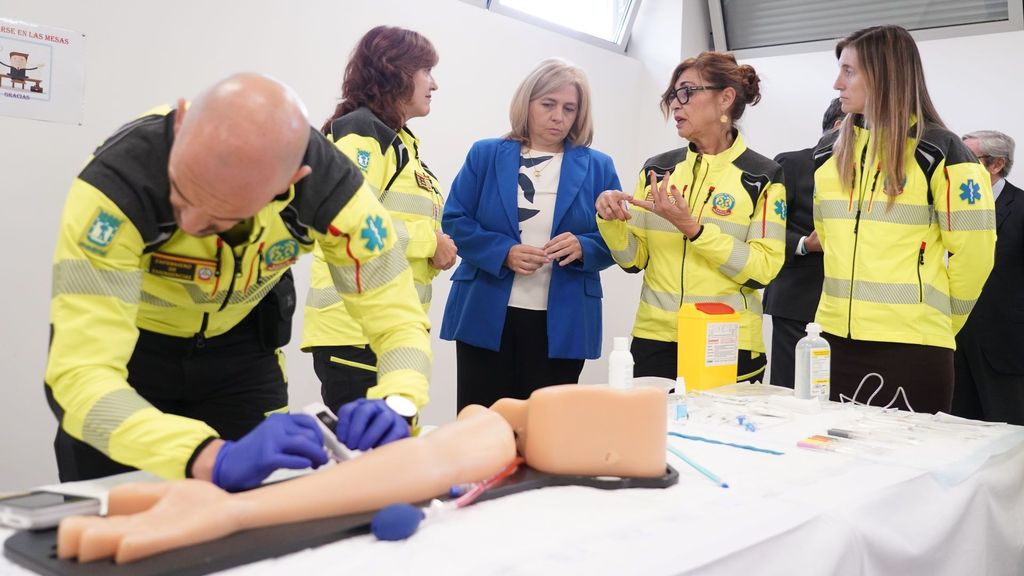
(683, 93)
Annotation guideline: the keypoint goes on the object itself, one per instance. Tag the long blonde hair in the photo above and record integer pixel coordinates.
(550, 76)
(896, 90)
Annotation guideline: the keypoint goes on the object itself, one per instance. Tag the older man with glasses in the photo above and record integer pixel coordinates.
(989, 350)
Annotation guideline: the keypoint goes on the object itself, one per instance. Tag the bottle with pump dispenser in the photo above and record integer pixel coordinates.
(813, 365)
(620, 364)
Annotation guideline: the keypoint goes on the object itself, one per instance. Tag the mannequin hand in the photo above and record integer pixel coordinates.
(280, 441)
(365, 424)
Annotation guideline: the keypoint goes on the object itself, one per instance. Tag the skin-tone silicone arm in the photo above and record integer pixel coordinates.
(590, 430)
(176, 514)
(571, 429)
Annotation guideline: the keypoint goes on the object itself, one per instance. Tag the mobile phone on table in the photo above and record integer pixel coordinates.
(41, 509)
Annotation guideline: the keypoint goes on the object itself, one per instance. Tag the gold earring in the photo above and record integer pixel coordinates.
(723, 119)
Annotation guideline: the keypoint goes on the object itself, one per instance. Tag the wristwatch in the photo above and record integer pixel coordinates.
(403, 407)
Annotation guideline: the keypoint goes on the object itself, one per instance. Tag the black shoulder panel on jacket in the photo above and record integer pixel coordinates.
(665, 162)
(130, 168)
(321, 195)
(823, 151)
(758, 172)
(953, 148)
(364, 122)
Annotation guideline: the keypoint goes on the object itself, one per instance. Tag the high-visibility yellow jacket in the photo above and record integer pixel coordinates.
(121, 264)
(739, 198)
(391, 163)
(886, 279)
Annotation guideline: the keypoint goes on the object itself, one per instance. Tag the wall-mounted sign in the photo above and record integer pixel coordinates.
(42, 71)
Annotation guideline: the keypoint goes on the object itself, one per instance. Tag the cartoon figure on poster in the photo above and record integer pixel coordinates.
(17, 69)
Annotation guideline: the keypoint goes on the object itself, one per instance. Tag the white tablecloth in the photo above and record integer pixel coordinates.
(945, 506)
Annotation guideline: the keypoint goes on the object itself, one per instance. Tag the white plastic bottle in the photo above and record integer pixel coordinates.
(620, 364)
(813, 365)
(677, 409)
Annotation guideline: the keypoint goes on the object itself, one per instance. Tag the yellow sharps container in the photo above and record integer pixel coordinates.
(709, 337)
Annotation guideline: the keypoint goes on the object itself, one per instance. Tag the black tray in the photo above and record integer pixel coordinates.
(36, 550)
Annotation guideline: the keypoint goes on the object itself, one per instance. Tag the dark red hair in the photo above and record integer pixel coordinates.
(380, 71)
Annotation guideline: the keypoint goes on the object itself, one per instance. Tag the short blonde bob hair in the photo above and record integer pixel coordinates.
(549, 76)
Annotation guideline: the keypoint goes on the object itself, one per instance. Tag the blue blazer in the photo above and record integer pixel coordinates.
(482, 217)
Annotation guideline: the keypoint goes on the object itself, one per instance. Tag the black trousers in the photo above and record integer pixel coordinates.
(785, 334)
(345, 373)
(659, 358)
(924, 372)
(231, 382)
(982, 393)
(521, 365)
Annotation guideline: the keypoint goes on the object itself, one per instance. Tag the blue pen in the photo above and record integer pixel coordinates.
(707, 473)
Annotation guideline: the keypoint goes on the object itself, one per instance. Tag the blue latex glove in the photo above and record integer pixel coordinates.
(280, 441)
(365, 424)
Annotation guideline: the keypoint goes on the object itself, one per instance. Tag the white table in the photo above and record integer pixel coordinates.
(943, 507)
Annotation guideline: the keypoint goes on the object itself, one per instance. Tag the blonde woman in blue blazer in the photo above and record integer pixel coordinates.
(525, 304)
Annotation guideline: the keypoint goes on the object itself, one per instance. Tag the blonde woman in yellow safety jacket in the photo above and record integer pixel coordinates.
(895, 192)
(387, 82)
(707, 223)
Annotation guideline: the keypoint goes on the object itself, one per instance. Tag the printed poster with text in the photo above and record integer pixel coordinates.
(42, 71)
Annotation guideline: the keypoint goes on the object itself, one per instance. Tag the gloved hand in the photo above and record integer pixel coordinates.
(280, 441)
(365, 424)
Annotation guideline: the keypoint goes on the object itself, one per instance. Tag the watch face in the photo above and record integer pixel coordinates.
(401, 405)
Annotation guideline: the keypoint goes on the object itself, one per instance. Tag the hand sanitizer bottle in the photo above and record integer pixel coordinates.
(813, 364)
(620, 365)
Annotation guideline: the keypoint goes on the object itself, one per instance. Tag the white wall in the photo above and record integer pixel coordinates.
(139, 54)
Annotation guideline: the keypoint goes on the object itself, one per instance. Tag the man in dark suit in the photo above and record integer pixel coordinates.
(792, 297)
(990, 348)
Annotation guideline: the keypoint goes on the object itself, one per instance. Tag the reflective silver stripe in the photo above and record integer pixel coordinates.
(834, 209)
(153, 300)
(663, 300)
(107, 414)
(80, 277)
(403, 359)
(897, 214)
(970, 220)
(879, 212)
(320, 298)
(936, 299)
(737, 231)
(255, 293)
(627, 254)
(372, 273)
(772, 231)
(889, 293)
(424, 291)
(737, 259)
(648, 221)
(409, 203)
(670, 302)
(401, 234)
(961, 307)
